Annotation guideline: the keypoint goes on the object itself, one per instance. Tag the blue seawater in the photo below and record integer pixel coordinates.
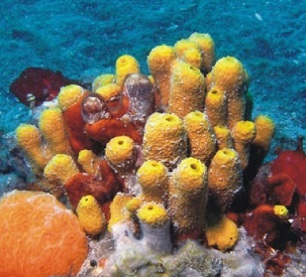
(83, 39)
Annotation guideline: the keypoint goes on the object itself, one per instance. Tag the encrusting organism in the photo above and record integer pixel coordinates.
(39, 236)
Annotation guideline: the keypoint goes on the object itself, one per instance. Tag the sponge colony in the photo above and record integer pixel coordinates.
(40, 236)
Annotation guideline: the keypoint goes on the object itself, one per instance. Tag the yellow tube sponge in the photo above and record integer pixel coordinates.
(187, 197)
(187, 89)
(153, 178)
(215, 107)
(89, 162)
(201, 137)
(153, 214)
(155, 227)
(229, 76)
(69, 95)
(224, 177)
(264, 131)
(59, 169)
(29, 139)
(209, 83)
(102, 80)
(118, 210)
(52, 126)
(243, 134)
(223, 135)
(160, 61)
(207, 46)
(223, 234)
(125, 65)
(90, 216)
(134, 204)
(164, 139)
(280, 210)
(189, 52)
(109, 91)
(120, 152)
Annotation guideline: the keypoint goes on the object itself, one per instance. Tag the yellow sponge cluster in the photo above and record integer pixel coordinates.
(198, 140)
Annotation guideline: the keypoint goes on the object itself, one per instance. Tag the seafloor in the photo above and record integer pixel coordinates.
(83, 39)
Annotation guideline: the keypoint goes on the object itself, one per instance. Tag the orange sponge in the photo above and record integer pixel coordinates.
(39, 236)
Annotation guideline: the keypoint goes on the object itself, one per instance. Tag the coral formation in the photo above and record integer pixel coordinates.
(167, 159)
(39, 236)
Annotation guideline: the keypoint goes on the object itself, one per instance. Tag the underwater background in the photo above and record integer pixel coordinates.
(83, 39)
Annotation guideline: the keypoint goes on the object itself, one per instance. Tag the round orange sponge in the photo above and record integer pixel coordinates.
(39, 236)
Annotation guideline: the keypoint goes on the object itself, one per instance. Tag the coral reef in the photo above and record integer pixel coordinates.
(162, 160)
